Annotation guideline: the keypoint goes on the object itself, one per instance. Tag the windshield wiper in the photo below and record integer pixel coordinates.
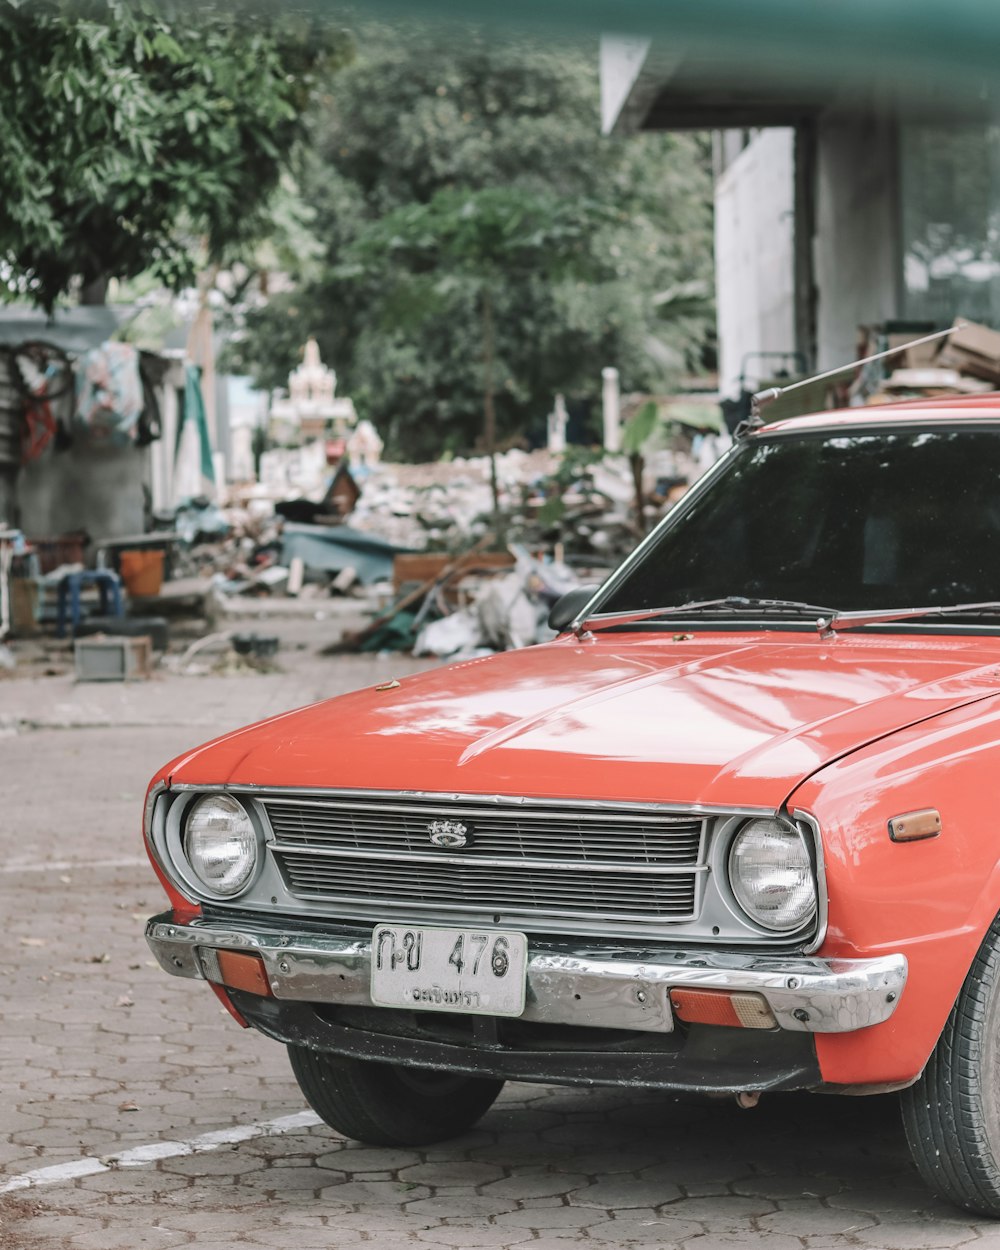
(856, 620)
(734, 603)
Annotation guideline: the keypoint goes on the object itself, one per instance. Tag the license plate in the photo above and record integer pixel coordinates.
(465, 970)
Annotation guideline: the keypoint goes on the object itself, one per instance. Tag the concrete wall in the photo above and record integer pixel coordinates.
(10, 444)
(857, 253)
(99, 489)
(754, 266)
(856, 248)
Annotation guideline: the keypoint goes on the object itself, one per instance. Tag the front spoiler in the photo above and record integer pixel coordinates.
(568, 983)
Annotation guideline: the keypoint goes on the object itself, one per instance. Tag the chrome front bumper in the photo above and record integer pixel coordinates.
(613, 987)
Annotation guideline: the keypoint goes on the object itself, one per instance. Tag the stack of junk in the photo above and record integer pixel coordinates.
(424, 552)
(426, 556)
(453, 558)
(446, 574)
(419, 547)
(967, 362)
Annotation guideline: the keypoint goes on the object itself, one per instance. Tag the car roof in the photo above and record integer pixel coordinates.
(985, 408)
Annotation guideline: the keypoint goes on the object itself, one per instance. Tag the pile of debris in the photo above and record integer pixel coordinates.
(350, 535)
(543, 497)
(967, 362)
(472, 605)
(421, 547)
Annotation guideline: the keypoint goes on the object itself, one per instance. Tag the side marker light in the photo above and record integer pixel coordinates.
(237, 971)
(735, 1010)
(916, 826)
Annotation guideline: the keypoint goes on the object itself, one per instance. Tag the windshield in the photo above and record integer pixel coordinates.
(879, 519)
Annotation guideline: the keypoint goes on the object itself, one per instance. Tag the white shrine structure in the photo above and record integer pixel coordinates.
(311, 408)
(364, 446)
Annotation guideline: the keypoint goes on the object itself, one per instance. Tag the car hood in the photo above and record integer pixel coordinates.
(731, 720)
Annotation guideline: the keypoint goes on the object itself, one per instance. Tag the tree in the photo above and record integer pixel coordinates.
(137, 136)
(473, 243)
(417, 131)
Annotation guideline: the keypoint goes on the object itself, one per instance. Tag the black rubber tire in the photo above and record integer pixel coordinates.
(386, 1104)
(952, 1114)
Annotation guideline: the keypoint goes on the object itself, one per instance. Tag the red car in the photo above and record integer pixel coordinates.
(732, 831)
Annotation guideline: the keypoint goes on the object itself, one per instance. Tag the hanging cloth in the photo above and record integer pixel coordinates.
(194, 411)
(109, 398)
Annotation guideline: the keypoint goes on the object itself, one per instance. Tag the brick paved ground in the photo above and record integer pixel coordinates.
(100, 1054)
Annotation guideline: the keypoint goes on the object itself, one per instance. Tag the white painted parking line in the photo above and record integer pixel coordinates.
(141, 1156)
(69, 865)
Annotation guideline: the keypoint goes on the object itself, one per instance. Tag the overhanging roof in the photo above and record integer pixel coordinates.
(75, 330)
(688, 82)
(700, 94)
(645, 87)
(910, 50)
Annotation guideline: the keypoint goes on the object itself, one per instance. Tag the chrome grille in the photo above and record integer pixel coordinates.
(557, 863)
(557, 891)
(605, 836)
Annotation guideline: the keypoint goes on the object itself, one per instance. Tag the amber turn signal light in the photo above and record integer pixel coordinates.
(244, 972)
(737, 1011)
(916, 826)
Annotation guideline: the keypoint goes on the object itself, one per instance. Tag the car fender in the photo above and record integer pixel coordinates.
(931, 900)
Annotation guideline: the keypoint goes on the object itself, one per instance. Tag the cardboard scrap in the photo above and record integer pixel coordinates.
(973, 349)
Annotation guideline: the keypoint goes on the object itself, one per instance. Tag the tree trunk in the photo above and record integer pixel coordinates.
(94, 290)
(638, 463)
(489, 409)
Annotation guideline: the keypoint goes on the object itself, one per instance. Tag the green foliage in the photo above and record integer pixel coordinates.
(442, 171)
(143, 136)
(573, 472)
(641, 428)
(482, 236)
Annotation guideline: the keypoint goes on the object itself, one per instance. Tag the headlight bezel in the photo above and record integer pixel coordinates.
(177, 846)
(735, 894)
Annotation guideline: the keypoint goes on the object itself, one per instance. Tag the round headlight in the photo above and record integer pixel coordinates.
(220, 843)
(771, 875)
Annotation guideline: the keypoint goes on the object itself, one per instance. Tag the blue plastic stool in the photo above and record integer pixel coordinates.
(108, 583)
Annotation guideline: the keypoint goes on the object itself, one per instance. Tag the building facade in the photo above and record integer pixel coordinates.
(835, 208)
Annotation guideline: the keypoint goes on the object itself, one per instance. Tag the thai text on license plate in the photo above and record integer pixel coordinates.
(466, 970)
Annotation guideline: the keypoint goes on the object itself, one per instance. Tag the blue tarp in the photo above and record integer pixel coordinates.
(330, 548)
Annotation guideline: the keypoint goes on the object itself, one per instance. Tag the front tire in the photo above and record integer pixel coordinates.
(952, 1114)
(386, 1104)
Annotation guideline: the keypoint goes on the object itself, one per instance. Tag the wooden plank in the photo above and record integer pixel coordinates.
(423, 566)
(351, 641)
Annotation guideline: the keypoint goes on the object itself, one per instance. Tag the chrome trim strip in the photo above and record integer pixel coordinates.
(613, 987)
(837, 420)
(147, 810)
(345, 800)
(690, 810)
(148, 813)
(527, 864)
(822, 894)
(443, 915)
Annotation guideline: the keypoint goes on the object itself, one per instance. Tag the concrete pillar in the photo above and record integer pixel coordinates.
(612, 413)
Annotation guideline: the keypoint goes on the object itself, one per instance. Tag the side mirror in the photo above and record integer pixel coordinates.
(566, 609)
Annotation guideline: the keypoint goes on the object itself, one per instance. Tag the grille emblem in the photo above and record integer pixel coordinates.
(449, 833)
